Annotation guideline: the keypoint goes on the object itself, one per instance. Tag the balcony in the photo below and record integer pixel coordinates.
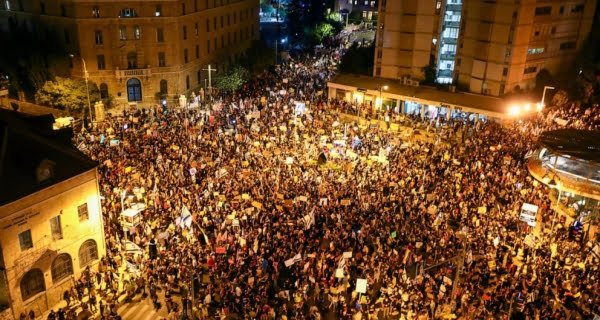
(451, 24)
(454, 7)
(133, 73)
(445, 73)
(448, 56)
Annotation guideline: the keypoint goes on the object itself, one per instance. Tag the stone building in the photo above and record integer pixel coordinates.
(137, 51)
(50, 215)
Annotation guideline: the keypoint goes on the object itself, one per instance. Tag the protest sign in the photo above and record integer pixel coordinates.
(345, 202)
(482, 209)
(245, 196)
(347, 255)
(339, 273)
(220, 250)
(361, 286)
(302, 198)
(289, 262)
(257, 205)
(528, 214)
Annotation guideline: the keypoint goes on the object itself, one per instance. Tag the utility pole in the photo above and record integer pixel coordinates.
(87, 90)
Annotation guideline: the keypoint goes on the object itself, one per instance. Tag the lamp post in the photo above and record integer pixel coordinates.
(544, 96)
(381, 88)
(87, 90)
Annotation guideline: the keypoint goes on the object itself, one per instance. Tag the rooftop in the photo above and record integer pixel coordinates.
(581, 144)
(34, 157)
(492, 105)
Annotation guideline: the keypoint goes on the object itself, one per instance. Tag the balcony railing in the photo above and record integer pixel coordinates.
(133, 73)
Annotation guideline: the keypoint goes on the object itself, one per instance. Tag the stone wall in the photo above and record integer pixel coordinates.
(6, 315)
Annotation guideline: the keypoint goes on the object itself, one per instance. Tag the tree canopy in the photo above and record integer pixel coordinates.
(358, 60)
(68, 94)
(232, 79)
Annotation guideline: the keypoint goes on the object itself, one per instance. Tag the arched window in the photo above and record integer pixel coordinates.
(32, 283)
(134, 90)
(88, 252)
(164, 89)
(62, 267)
(103, 91)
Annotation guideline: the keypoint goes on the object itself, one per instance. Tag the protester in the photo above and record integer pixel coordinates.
(258, 208)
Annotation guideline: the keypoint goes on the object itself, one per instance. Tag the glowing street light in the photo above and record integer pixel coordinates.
(514, 110)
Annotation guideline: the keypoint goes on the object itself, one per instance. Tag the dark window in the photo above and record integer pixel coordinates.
(160, 35)
(62, 267)
(164, 88)
(553, 31)
(63, 10)
(82, 210)
(199, 76)
(184, 32)
(67, 37)
(578, 8)
(32, 283)
(562, 9)
(234, 17)
(42, 8)
(161, 59)
(207, 25)
(132, 60)
(96, 12)
(101, 63)
(208, 46)
(56, 228)
(98, 37)
(222, 25)
(228, 20)
(502, 87)
(543, 11)
(568, 45)
(88, 251)
(183, 9)
(187, 82)
(195, 5)
(505, 72)
(529, 70)
(185, 55)
(25, 240)
(196, 28)
(215, 23)
(197, 52)
(378, 71)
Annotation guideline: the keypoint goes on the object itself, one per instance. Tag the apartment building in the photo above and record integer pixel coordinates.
(485, 47)
(50, 215)
(367, 8)
(138, 51)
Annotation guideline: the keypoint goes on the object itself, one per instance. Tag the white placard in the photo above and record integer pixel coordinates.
(347, 255)
(361, 286)
(528, 213)
(339, 273)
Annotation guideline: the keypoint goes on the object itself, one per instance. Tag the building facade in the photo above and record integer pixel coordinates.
(141, 51)
(484, 47)
(51, 220)
(366, 8)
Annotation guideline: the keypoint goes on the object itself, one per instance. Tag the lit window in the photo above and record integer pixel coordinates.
(82, 210)
(137, 34)
(535, 50)
(25, 240)
(56, 228)
(96, 12)
(158, 11)
(122, 33)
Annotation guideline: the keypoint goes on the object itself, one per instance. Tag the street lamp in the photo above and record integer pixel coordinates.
(87, 90)
(381, 89)
(541, 106)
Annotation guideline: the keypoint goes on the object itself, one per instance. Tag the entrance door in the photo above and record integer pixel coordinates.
(134, 90)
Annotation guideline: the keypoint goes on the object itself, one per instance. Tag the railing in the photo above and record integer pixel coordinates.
(133, 73)
(448, 56)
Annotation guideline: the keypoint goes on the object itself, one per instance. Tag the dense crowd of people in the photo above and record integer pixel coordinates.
(265, 204)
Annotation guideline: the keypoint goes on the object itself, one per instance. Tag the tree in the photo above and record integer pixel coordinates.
(36, 55)
(322, 31)
(358, 60)
(430, 73)
(355, 17)
(67, 94)
(232, 79)
(258, 57)
(542, 79)
(560, 99)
